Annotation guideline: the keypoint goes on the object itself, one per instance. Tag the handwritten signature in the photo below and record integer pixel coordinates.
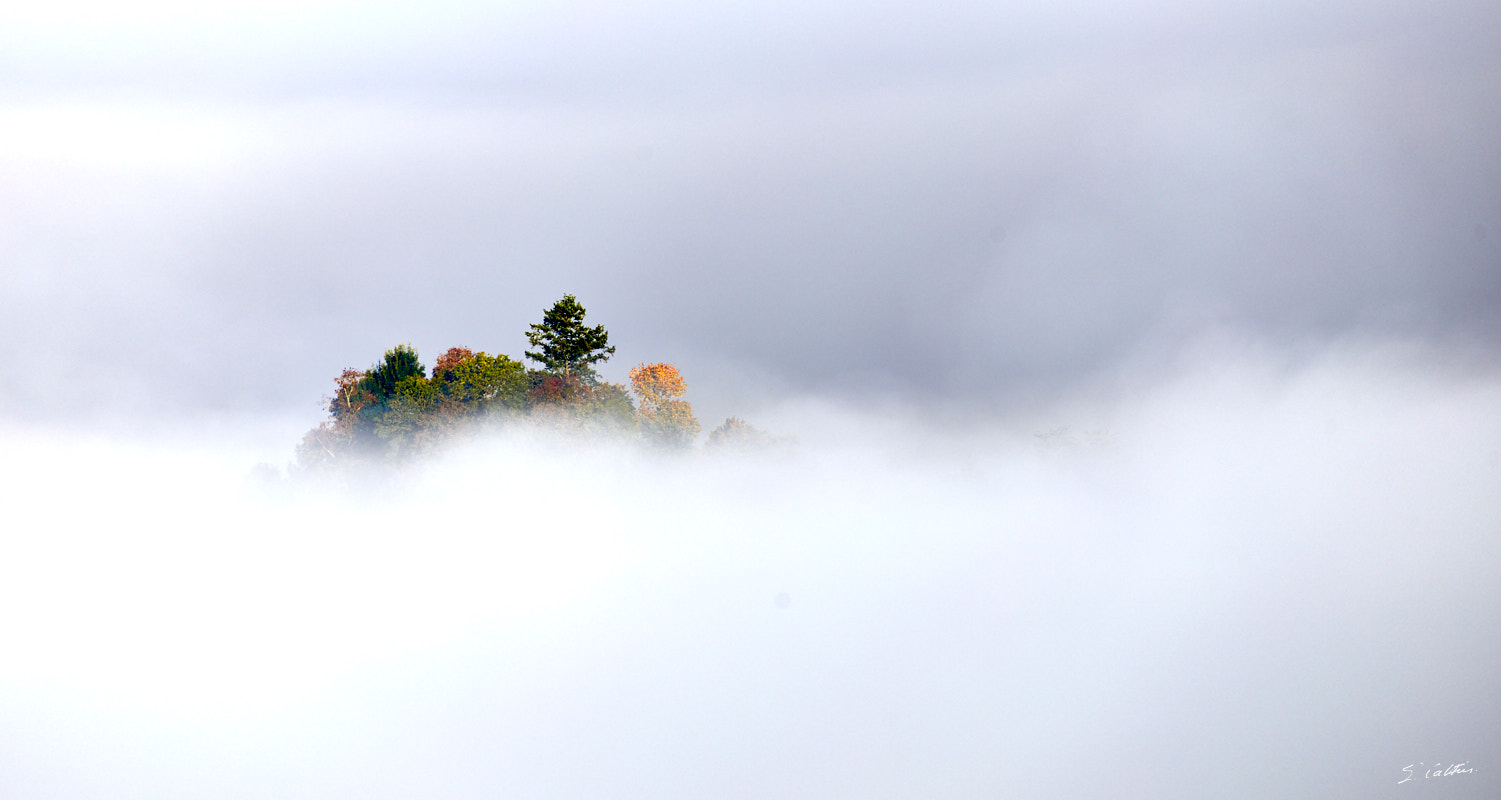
(1437, 771)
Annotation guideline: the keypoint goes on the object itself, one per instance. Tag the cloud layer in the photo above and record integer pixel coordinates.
(1264, 578)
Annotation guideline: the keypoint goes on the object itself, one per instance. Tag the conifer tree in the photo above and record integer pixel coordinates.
(565, 347)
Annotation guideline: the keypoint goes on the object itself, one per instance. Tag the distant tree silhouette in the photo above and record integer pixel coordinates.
(736, 433)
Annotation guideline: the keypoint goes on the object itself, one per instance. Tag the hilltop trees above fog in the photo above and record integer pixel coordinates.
(394, 411)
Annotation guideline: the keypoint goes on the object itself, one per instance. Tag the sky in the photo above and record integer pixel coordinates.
(213, 212)
(1143, 362)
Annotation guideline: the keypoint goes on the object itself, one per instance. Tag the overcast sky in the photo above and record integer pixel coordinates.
(1241, 258)
(212, 210)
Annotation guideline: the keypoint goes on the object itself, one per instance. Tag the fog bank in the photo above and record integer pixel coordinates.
(1248, 577)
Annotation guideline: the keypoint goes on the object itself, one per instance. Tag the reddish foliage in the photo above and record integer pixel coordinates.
(443, 369)
(351, 397)
(554, 389)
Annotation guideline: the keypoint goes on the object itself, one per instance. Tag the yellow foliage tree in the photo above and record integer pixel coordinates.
(663, 419)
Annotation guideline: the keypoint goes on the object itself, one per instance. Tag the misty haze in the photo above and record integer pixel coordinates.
(1117, 400)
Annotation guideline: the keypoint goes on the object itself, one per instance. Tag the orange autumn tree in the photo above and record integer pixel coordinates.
(663, 419)
(446, 364)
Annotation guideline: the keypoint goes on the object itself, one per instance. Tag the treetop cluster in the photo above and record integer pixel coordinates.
(396, 411)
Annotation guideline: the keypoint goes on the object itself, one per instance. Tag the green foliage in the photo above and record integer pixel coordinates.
(408, 421)
(393, 412)
(374, 415)
(671, 425)
(571, 406)
(605, 409)
(565, 347)
(481, 383)
(399, 364)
